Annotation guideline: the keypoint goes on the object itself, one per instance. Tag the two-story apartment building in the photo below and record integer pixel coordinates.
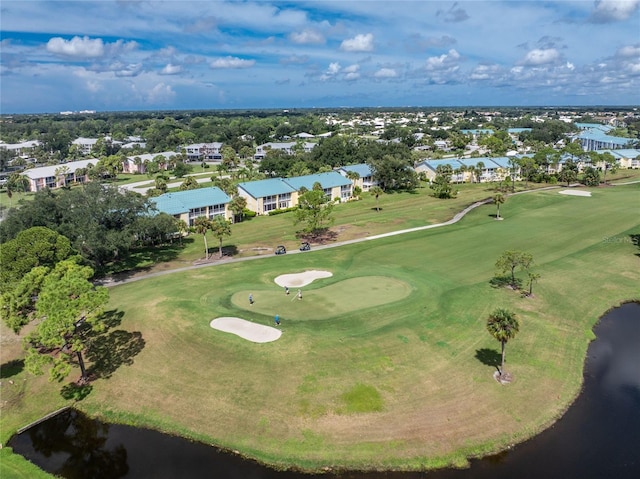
(204, 152)
(364, 178)
(56, 176)
(263, 196)
(191, 204)
(267, 195)
(288, 147)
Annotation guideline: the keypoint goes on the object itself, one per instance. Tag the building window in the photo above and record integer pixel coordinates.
(196, 213)
(269, 203)
(284, 200)
(216, 210)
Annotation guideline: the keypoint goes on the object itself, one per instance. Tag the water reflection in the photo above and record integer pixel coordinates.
(598, 437)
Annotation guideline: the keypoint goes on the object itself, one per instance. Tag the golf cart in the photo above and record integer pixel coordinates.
(281, 250)
(305, 246)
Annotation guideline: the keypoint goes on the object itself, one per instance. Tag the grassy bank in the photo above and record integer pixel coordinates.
(397, 374)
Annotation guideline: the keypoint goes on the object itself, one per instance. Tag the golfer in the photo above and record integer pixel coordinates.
(250, 299)
(299, 294)
(277, 320)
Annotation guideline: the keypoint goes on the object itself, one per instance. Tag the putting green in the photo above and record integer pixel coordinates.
(326, 302)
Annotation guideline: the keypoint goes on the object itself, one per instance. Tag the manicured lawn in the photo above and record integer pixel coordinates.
(394, 377)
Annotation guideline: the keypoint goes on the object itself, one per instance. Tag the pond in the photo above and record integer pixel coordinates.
(598, 437)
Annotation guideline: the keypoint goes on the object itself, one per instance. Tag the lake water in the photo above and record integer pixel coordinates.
(598, 437)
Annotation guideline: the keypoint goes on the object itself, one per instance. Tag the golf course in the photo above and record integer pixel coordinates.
(386, 363)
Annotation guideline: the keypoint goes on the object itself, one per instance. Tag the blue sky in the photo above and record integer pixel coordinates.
(147, 55)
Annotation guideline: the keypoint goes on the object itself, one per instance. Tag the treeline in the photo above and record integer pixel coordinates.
(102, 223)
(161, 133)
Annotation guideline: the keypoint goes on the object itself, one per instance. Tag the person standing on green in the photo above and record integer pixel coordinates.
(277, 320)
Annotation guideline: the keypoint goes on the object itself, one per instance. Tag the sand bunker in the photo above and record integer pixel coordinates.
(575, 193)
(254, 332)
(299, 280)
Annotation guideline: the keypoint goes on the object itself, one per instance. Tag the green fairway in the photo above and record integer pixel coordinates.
(387, 363)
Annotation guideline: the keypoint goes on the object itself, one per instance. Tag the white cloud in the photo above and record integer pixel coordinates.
(359, 43)
(385, 73)
(537, 57)
(170, 69)
(351, 68)
(128, 70)
(231, 62)
(161, 93)
(484, 72)
(333, 69)
(83, 47)
(629, 51)
(351, 76)
(444, 61)
(307, 36)
(606, 11)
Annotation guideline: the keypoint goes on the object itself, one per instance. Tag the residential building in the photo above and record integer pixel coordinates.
(137, 163)
(204, 152)
(625, 157)
(56, 176)
(333, 184)
(85, 145)
(271, 194)
(191, 204)
(267, 195)
(288, 147)
(24, 148)
(365, 180)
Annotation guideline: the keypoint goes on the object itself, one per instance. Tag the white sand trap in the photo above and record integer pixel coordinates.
(298, 280)
(575, 193)
(254, 332)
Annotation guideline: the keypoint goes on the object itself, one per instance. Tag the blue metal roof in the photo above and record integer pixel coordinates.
(597, 135)
(362, 169)
(501, 161)
(518, 130)
(183, 201)
(474, 161)
(622, 153)
(268, 187)
(330, 179)
(454, 163)
(594, 126)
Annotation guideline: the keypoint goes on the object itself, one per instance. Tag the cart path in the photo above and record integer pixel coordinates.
(114, 281)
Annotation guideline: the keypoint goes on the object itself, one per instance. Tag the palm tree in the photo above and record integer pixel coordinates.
(201, 225)
(503, 325)
(533, 277)
(220, 228)
(479, 170)
(182, 229)
(472, 170)
(498, 199)
(376, 191)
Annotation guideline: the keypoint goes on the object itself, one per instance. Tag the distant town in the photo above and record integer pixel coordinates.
(267, 156)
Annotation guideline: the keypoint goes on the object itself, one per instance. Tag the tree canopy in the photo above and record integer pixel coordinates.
(314, 210)
(69, 307)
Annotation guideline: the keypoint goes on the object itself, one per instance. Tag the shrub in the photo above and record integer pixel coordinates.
(247, 213)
